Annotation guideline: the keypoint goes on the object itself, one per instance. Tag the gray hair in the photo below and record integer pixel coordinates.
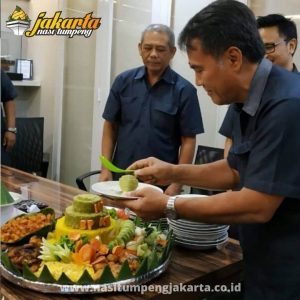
(160, 28)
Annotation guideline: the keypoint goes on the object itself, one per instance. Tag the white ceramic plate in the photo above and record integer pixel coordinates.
(199, 228)
(111, 189)
(17, 198)
(198, 234)
(185, 223)
(188, 239)
(200, 247)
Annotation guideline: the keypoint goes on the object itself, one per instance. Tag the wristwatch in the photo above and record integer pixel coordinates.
(170, 210)
(12, 129)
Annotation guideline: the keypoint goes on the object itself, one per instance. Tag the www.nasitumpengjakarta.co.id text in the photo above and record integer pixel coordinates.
(160, 289)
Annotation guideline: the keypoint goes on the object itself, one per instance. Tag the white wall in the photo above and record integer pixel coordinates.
(37, 101)
(102, 79)
(78, 97)
(43, 51)
(130, 19)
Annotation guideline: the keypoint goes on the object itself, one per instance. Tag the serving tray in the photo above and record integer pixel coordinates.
(116, 286)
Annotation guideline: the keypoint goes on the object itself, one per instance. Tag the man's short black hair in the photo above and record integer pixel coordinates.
(286, 27)
(222, 24)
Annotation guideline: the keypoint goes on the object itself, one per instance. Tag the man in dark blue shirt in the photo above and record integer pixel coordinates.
(279, 36)
(151, 110)
(227, 55)
(8, 130)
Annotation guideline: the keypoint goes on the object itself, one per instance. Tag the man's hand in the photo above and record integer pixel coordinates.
(173, 189)
(150, 205)
(9, 140)
(152, 170)
(105, 175)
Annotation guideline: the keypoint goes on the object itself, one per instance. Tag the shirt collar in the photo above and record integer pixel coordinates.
(140, 73)
(295, 70)
(257, 87)
(167, 75)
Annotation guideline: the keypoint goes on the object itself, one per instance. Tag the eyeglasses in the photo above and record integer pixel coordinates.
(270, 47)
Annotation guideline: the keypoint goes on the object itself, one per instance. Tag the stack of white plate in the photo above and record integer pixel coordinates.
(197, 235)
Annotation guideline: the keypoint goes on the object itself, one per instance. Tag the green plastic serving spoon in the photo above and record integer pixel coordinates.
(108, 165)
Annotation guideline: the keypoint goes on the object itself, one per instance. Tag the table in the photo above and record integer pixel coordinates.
(188, 267)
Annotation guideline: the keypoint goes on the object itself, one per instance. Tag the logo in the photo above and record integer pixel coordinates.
(18, 21)
(64, 26)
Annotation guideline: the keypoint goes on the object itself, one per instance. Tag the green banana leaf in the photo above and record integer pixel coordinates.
(27, 274)
(143, 267)
(6, 198)
(106, 277)
(46, 276)
(85, 278)
(64, 279)
(5, 261)
(153, 260)
(125, 272)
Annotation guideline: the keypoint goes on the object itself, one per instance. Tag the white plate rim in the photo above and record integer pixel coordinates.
(17, 198)
(199, 247)
(199, 228)
(194, 240)
(202, 243)
(198, 233)
(120, 197)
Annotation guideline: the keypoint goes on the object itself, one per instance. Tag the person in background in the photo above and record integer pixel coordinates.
(226, 53)
(151, 110)
(279, 35)
(8, 125)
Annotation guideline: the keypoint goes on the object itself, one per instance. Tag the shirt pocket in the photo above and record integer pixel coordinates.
(238, 156)
(130, 108)
(164, 117)
(241, 148)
